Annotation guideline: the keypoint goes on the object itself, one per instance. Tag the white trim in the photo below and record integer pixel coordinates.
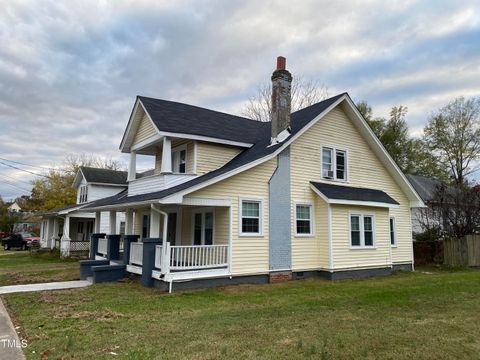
(203, 211)
(330, 237)
(395, 243)
(197, 201)
(361, 215)
(195, 156)
(259, 200)
(334, 149)
(147, 142)
(128, 130)
(178, 149)
(312, 218)
(353, 202)
(205, 138)
(230, 238)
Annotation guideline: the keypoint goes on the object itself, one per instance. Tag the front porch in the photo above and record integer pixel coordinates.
(198, 243)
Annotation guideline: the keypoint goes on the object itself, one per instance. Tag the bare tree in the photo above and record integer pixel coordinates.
(74, 161)
(454, 134)
(304, 93)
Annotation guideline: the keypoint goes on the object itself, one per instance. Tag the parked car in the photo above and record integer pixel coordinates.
(22, 240)
(4, 234)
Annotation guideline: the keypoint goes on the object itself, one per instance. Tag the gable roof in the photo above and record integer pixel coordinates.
(341, 194)
(424, 186)
(261, 151)
(176, 119)
(100, 176)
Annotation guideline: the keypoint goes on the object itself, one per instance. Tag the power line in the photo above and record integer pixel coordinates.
(24, 164)
(15, 186)
(27, 171)
(10, 177)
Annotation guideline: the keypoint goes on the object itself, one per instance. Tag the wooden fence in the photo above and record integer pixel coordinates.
(462, 252)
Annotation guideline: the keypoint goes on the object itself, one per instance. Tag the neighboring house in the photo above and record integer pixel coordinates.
(73, 226)
(426, 216)
(14, 208)
(233, 200)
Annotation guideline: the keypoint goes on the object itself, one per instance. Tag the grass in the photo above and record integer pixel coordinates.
(23, 267)
(429, 314)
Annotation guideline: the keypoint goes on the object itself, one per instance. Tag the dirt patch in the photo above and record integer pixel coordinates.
(99, 316)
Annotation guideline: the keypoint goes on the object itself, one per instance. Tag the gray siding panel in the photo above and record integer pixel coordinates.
(280, 246)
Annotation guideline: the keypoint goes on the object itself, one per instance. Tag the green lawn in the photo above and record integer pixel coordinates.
(23, 267)
(430, 314)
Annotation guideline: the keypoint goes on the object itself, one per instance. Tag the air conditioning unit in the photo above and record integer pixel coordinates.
(328, 174)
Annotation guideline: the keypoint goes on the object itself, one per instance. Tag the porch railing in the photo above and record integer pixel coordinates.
(136, 253)
(195, 257)
(102, 246)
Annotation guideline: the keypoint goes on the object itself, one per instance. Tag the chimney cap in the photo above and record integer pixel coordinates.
(281, 63)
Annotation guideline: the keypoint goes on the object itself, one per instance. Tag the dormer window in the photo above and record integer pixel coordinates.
(83, 197)
(334, 163)
(179, 160)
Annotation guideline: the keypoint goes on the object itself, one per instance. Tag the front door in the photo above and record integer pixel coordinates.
(203, 228)
(172, 228)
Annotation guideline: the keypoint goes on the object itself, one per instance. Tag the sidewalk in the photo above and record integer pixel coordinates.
(45, 286)
(10, 345)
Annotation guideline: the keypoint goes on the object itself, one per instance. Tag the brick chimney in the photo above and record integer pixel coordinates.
(281, 99)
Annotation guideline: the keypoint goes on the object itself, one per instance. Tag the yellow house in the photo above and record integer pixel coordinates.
(232, 200)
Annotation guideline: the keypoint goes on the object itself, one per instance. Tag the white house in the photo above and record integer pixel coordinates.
(71, 225)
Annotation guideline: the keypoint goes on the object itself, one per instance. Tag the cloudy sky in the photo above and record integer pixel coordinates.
(70, 70)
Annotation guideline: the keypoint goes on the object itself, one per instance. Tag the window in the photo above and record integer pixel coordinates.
(145, 226)
(303, 219)
(179, 159)
(203, 228)
(393, 238)
(362, 230)
(83, 197)
(334, 163)
(251, 217)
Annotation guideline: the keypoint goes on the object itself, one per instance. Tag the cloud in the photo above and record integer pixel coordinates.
(70, 71)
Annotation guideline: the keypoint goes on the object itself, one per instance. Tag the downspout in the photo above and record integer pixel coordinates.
(164, 240)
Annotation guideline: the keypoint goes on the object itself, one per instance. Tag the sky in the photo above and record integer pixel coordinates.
(70, 70)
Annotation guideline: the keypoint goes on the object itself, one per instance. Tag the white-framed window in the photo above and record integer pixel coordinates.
(362, 230)
(83, 197)
(303, 219)
(334, 163)
(203, 227)
(251, 214)
(179, 159)
(393, 232)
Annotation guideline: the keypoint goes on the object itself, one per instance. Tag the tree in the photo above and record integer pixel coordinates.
(453, 133)
(55, 189)
(304, 93)
(376, 124)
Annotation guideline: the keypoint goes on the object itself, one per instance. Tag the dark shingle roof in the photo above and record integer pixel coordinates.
(104, 176)
(425, 187)
(340, 192)
(188, 119)
(259, 150)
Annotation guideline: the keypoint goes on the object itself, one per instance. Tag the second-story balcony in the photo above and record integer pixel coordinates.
(156, 182)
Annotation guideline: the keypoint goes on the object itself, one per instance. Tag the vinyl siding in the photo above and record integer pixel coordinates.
(345, 257)
(144, 131)
(249, 253)
(364, 170)
(212, 156)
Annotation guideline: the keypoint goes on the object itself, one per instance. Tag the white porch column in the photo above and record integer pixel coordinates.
(129, 222)
(113, 222)
(132, 168)
(167, 155)
(154, 224)
(65, 241)
(98, 219)
(55, 231)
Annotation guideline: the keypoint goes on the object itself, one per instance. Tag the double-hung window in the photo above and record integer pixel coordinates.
(303, 219)
(83, 197)
(393, 235)
(179, 160)
(362, 231)
(251, 217)
(334, 163)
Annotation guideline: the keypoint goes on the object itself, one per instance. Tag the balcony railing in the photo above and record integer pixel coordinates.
(157, 182)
